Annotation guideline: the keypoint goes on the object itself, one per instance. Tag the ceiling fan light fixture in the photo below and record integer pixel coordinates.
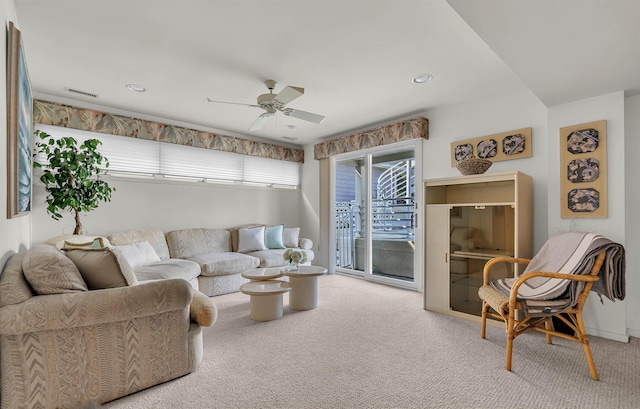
(272, 103)
(422, 78)
(136, 88)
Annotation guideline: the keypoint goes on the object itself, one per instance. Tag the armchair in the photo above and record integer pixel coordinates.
(556, 283)
(79, 348)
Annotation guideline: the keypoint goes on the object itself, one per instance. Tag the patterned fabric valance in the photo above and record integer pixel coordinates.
(401, 131)
(50, 113)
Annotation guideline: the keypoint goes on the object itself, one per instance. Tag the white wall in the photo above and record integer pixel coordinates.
(15, 234)
(310, 200)
(632, 221)
(608, 319)
(502, 112)
(518, 109)
(139, 204)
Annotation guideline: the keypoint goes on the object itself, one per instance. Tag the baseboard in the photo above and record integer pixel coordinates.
(608, 335)
(634, 333)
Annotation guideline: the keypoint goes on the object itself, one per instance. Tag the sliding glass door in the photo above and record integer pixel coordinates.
(375, 215)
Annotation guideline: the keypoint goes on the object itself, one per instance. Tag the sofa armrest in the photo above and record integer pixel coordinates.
(305, 244)
(203, 309)
(58, 311)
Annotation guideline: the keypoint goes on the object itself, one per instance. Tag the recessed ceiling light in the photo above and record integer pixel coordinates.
(291, 127)
(136, 88)
(422, 78)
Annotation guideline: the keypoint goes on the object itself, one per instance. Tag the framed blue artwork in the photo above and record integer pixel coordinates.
(19, 127)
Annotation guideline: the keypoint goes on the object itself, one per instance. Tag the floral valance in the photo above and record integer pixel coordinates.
(50, 113)
(401, 131)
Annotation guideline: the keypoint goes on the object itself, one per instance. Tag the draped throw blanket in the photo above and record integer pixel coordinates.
(568, 253)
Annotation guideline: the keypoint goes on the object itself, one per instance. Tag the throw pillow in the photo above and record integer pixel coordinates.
(137, 254)
(273, 237)
(290, 237)
(100, 268)
(65, 239)
(234, 234)
(97, 243)
(49, 271)
(251, 239)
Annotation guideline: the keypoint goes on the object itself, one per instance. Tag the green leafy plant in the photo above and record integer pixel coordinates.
(71, 179)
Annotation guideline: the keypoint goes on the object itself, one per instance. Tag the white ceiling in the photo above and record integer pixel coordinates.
(355, 58)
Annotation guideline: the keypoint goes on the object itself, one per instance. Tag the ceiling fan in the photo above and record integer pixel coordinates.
(277, 102)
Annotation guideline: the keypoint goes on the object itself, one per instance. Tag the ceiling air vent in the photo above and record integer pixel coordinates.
(86, 94)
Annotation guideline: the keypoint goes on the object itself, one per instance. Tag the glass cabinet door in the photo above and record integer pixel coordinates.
(478, 234)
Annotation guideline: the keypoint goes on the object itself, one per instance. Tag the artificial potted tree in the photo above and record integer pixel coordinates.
(71, 178)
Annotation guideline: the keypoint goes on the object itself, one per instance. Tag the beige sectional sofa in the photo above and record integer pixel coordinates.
(211, 259)
(65, 345)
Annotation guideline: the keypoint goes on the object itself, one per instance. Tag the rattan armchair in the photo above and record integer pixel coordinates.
(496, 305)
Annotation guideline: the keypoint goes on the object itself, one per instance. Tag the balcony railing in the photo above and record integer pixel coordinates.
(392, 219)
(392, 213)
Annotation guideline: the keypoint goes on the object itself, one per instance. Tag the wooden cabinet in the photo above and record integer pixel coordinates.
(469, 220)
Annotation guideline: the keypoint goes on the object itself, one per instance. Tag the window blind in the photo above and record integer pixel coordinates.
(124, 154)
(139, 158)
(180, 160)
(271, 171)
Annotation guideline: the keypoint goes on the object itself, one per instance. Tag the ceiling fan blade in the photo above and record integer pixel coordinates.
(260, 121)
(233, 103)
(288, 94)
(305, 116)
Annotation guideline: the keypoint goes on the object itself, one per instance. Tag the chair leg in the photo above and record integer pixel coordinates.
(510, 338)
(483, 327)
(548, 324)
(585, 343)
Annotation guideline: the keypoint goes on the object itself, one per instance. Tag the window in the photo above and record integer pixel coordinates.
(133, 157)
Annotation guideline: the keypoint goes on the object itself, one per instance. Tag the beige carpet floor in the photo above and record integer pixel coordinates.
(373, 346)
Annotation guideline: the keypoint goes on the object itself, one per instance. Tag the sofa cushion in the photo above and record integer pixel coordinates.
(273, 237)
(155, 237)
(270, 258)
(170, 268)
(251, 239)
(49, 271)
(187, 243)
(14, 287)
(274, 257)
(137, 254)
(101, 268)
(290, 236)
(216, 264)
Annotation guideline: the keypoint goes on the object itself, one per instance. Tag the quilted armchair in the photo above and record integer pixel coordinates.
(86, 347)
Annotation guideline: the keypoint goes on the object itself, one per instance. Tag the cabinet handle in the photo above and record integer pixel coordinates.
(446, 257)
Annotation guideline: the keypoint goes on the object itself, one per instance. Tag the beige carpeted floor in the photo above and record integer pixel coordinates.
(373, 346)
